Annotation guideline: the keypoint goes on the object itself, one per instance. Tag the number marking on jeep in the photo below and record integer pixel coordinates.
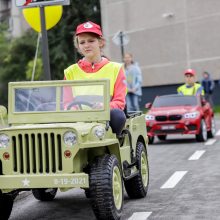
(71, 181)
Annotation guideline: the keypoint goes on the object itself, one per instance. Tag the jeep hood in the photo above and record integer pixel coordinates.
(79, 126)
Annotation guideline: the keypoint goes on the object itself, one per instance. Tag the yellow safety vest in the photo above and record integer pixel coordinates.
(197, 89)
(108, 71)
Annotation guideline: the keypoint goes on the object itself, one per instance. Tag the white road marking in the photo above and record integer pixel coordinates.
(197, 155)
(140, 215)
(210, 142)
(218, 133)
(173, 180)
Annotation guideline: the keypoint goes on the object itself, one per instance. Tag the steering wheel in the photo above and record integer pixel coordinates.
(41, 107)
(79, 104)
(23, 103)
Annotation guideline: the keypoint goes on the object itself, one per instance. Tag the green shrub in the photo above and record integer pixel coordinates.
(217, 108)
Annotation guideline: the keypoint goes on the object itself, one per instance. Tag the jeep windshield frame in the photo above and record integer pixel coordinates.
(58, 101)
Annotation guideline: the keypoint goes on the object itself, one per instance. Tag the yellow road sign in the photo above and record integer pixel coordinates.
(52, 16)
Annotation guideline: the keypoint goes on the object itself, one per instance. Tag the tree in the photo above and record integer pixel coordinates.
(17, 55)
(38, 70)
(15, 59)
(4, 47)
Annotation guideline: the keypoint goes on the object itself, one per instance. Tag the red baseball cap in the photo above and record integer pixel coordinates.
(190, 71)
(89, 27)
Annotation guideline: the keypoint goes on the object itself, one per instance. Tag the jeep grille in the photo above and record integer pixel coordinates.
(37, 153)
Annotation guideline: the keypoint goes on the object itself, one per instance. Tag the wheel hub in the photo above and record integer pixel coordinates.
(117, 188)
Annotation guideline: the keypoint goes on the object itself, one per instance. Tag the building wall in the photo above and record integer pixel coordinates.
(4, 9)
(18, 23)
(13, 15)
(166, 36)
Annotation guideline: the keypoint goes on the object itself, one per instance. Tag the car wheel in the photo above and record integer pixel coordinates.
(87, 193)
(106, 187)
(44, 194)
(6, 204)
(150, 139)
(202, 136)
(212, 131)
(137, 186)
(162, 137)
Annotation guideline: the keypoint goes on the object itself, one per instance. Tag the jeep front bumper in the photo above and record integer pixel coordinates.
(79, 180)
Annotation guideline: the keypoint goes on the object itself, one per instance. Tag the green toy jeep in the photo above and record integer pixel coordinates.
(60, 141)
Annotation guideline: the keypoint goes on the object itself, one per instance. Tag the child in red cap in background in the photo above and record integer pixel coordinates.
(190, 87)
(89, 42)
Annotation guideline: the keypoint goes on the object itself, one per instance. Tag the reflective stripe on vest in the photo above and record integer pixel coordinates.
(197, 88)
(108, 71)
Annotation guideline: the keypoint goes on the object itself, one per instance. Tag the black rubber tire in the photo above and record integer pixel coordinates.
(42, 195)
(162, 137)
(150, 139)
(135, 187)
(101, 188)
(87, 193)
(212, 131)
(202, 136)
(6, 205)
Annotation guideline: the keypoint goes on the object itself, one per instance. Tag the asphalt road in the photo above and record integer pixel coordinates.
(184, 185)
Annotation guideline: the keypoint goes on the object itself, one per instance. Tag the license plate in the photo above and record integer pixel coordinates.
(168, 127)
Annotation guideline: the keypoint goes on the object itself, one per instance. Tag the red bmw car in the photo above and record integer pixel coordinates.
(176, 114)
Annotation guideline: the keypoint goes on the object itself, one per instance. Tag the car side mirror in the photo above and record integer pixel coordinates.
(148, 105)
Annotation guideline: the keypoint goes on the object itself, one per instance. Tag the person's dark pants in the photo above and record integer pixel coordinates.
(132, 101)
(117, 120)
(208, 97)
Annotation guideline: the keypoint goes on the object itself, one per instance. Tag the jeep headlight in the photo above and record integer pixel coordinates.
(4, 140)
(99, 131)
(69, 138)
(191, 115)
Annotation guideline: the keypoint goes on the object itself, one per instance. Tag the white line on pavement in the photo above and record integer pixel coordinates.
(197, 155)
(210, 142)
(173, 180)
(140, 215)
(218, 133)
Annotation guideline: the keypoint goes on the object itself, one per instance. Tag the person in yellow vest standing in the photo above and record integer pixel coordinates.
(89, 42)
(190, 87)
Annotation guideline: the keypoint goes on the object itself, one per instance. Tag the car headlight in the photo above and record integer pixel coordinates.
(191, 115)
(99, 131)
(70, 138)
(4, 140)
(149, 117)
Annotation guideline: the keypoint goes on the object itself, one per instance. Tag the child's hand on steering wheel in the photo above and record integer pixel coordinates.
(97, 105)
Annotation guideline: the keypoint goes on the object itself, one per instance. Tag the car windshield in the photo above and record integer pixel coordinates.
(59, 98)
(178, 100)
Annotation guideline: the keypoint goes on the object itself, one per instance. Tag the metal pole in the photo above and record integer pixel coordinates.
(122, 45)
(35, 57)
(45, 50)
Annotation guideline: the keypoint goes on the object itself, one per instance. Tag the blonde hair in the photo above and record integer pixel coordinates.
(131, 56)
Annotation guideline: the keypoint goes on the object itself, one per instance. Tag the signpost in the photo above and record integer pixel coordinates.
(37, 3)
(42, 4)
(121, 39)
(45, 49)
